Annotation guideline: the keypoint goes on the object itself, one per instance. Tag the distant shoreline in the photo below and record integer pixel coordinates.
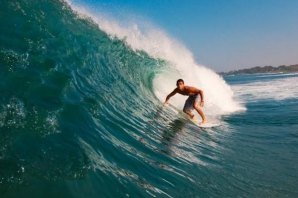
(264, 69)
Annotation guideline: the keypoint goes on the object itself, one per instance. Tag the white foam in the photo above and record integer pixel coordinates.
(280, 74)
(158, 44)
(276, 89)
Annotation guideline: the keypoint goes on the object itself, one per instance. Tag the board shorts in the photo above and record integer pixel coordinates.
(188, 106)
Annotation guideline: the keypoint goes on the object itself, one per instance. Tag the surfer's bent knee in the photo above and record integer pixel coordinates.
(196, 105)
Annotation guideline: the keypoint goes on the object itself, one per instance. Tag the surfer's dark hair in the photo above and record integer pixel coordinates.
(179, 80)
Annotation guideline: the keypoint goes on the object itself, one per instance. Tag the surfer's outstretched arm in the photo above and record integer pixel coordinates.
(170, 95)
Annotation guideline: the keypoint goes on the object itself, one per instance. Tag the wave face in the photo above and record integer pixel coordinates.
(69, 95)
(81, 114)
(180, 62)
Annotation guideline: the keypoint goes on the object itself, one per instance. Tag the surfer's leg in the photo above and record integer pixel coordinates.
(200, 111)
(191, 115)
(188, 107)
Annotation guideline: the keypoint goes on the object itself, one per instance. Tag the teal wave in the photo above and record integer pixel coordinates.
(79, 118)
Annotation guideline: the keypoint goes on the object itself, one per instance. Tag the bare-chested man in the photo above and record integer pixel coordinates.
(192, 101)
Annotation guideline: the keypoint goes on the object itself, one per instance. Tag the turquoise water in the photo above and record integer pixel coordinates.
(79, 118)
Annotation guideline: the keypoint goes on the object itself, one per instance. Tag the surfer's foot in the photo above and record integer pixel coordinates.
(203, 122)
(192, 116)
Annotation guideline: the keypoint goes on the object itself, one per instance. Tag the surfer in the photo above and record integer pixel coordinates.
(192, 101)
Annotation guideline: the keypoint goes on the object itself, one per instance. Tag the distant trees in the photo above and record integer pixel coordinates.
(265, 69)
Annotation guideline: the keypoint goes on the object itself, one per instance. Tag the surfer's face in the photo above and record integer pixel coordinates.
(180, 85)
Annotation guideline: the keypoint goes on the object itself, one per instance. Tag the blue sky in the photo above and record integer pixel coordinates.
(222, 34)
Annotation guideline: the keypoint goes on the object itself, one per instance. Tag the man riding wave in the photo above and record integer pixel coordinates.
(192, 101)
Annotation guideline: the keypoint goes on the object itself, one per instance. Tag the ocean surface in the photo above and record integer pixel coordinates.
(81, 113)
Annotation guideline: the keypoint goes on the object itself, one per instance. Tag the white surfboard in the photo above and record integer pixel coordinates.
(208, 124)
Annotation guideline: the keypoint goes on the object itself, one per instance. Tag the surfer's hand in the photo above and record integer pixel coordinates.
(166, 103)
(202, 103)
